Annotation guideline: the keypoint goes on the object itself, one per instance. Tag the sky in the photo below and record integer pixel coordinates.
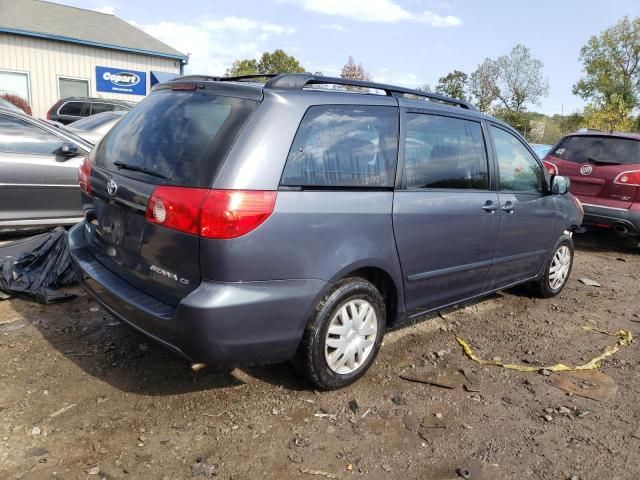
(405, 42)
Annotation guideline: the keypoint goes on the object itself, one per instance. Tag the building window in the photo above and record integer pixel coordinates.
(73, 87)
(15, 83)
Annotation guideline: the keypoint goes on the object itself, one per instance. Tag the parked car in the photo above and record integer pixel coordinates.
(93, 128)
(70, 109)
(541, 149)
(241, 223)
(604, 169)
(38, 173)
(6, 105)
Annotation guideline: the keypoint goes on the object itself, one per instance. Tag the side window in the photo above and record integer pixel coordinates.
(519, 169)
(101, 107)
(344, 146)
(444, 152)
(72, 108)
(18, 136)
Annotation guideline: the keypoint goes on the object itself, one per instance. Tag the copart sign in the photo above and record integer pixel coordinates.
(117, 80)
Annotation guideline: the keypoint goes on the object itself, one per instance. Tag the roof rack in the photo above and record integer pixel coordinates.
(297, 81)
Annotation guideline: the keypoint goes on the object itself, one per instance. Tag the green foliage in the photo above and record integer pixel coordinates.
(611, 63)
(275, 62)
(453, 85)
(612, 116)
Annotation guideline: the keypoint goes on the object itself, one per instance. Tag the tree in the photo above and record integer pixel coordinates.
(483, 85)
(453, 85)
(354, 72)
(270, 63)
(613, 116)
(426, 88)
(520, 80)
(611, 63)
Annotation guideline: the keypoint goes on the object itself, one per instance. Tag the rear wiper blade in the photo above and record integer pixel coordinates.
(136, 168)
(591, 159)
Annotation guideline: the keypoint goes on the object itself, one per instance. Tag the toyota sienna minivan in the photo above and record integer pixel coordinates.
(238, 223)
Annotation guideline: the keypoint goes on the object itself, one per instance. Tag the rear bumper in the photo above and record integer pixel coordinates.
(601, 215)
(219, 323)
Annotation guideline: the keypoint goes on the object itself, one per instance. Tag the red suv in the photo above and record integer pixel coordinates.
(604, 169)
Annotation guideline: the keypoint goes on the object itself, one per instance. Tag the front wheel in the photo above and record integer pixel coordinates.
(343, 335)
(557, 269)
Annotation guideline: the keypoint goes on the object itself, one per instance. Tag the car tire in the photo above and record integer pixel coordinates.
(336, 358)
(557, 269)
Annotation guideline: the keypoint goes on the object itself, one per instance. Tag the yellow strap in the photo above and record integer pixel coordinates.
(624, 338)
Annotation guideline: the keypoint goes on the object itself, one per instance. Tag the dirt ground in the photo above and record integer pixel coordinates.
(83, 396)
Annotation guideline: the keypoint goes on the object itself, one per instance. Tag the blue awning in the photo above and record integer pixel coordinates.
(160, 77)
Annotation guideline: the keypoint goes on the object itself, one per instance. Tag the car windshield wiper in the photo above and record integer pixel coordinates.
(135, 168)
(610, 162)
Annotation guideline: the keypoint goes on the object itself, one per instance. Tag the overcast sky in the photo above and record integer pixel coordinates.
(408, 42)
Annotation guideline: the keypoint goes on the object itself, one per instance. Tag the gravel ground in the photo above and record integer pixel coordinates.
(83, 396)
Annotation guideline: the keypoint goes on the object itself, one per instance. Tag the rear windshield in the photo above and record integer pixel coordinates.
(580, 149)
(183, 136)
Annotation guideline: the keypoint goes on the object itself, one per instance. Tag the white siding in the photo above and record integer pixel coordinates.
(45, 60)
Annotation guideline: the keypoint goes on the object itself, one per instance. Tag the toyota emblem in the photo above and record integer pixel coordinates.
(112, 187)
(586, 169)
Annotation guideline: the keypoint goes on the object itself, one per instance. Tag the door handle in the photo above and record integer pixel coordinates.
(490, 207)
(508, 207)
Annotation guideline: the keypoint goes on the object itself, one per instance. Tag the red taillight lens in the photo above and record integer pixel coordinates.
(176, 207)
(220, 214)
(628, 178)
(553, 169)
(84, 176)
(233, 213)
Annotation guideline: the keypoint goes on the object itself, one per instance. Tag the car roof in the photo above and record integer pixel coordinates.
(602, 133)
(249, 86)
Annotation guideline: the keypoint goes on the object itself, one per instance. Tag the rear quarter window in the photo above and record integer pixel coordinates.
(594, 148)
(183, 136)
(71, 108)
(344, 146)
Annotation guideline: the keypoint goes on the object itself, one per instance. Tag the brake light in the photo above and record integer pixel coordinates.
(84, 176)
(233, 213)
(631, 178)
(222, 214)
(176, 207)
(552, 167)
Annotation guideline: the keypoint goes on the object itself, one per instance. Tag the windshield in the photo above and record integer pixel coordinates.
(183, 136)
(595, 148)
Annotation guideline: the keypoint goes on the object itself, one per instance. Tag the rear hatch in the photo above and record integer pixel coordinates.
(176, 137)
(596, 166)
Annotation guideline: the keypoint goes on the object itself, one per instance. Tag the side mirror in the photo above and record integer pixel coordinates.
(68, 150)
(560, 185)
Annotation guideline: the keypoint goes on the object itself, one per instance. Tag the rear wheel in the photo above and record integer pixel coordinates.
(343, 335)
(557, 270)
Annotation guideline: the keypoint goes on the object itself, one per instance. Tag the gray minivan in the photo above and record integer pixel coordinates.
(238, 223)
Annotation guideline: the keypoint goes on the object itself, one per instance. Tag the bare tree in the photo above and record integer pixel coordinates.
(520, 79)
(483, 85)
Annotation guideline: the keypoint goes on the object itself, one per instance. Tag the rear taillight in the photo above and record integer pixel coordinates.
(552, 167)
(176, 207)
(233, 213)
(631, 178)
(84, 176)
(219, 214)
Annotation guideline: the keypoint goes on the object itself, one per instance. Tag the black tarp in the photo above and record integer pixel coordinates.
(37, 266)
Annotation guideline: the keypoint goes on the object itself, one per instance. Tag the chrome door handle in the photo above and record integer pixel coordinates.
(508, 207)
(490, 207)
